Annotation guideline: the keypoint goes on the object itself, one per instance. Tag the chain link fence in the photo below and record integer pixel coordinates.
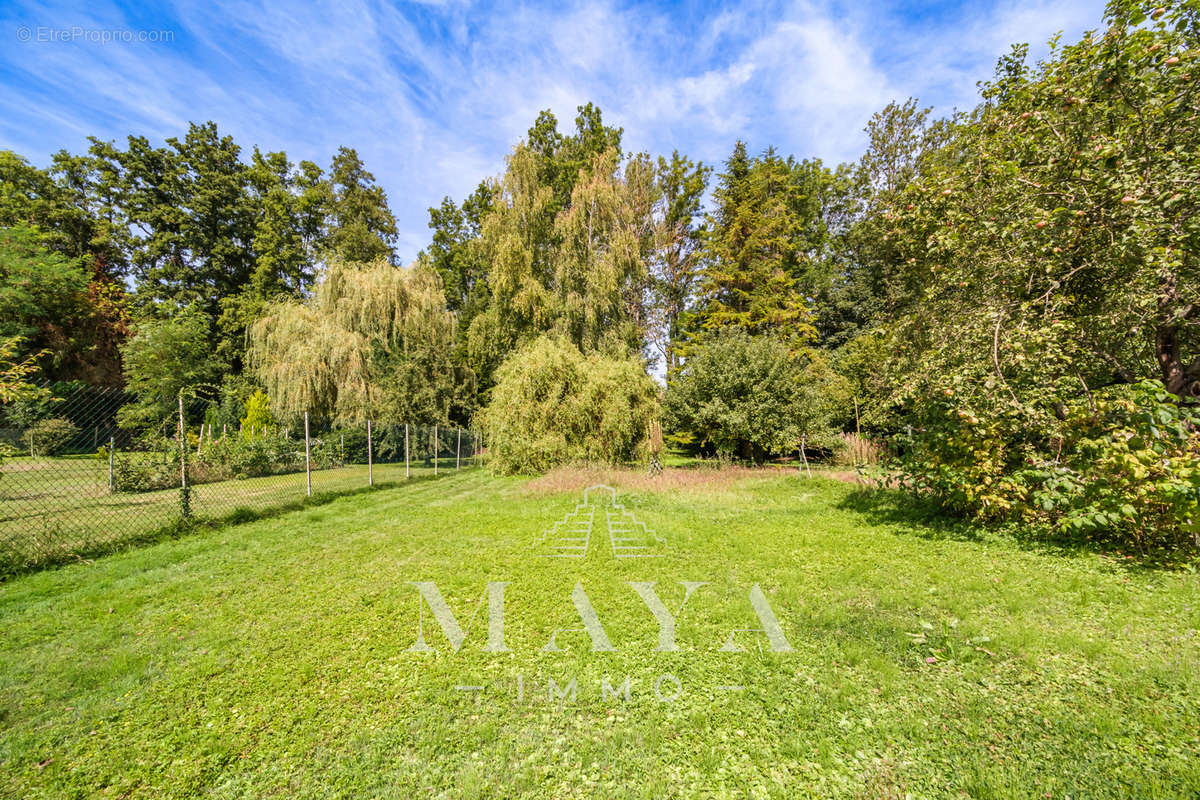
(87, 469)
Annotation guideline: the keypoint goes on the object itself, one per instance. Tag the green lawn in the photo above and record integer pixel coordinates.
(270, 659)
(52, 509)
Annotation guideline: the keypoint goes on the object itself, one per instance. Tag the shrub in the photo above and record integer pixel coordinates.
(155, 463)
(1122, 466)
(49, 437)
(145, 472)
(258, 419)
(553, 405)
(248, 457)
(752, 396)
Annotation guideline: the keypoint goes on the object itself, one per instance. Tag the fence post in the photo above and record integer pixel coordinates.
(458, 451)
(112, 484)
(435, 449)
(307, 458)
(185, 497)
(370, 458)
(406, 473)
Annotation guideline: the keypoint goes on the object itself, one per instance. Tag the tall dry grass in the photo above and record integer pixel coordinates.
(856, 451)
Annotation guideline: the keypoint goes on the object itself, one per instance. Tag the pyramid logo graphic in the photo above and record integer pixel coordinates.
(600, 512)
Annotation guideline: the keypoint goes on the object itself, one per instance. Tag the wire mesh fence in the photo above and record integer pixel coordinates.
(85, 469)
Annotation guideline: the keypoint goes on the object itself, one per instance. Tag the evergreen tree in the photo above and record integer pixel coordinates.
(361, 226)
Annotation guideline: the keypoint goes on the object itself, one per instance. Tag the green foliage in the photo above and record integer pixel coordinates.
(42, 292)
(678, 256)
(258, 419)
(751, 396)
(1069, 199)
(155, 465)
(553, 405)
(1122, 466)
(372, 340)
(580, 274)
(49, 437)
(765, 244)
(164, 357)
(562, 245)
(361, 226)
(15, 372)
(1048, 254)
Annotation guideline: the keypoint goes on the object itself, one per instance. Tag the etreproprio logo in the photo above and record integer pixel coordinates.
(599, 523)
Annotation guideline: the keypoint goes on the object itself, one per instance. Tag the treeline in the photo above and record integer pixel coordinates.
(1006, 298)
(120, 238)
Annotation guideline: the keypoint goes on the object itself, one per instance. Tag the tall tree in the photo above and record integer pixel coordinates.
(43, 297)
(62, 206)
(869, 284)
(1062, 218)
(371, 340)
(184, 205)
(763, 245)
(361, 226)
(675, 266)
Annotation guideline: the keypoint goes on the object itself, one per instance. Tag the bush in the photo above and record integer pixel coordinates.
(258, 419)
(155, 463)
(753, 396)
(145, 472)
(1120, 467)
(249, 457)
(49, 437)
(553, 405)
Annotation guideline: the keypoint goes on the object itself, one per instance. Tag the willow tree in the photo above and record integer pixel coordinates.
(579, 272)
(371, 340)
(600, 264)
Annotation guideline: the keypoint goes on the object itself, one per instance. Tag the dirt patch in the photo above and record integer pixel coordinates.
(574, 479)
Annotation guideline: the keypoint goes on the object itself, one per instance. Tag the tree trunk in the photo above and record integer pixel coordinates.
(1183, 382)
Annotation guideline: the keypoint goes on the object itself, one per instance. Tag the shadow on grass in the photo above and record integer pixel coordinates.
(913, 515)
(179, 528)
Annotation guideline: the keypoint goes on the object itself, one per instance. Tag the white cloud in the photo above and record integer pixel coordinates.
(434, 96)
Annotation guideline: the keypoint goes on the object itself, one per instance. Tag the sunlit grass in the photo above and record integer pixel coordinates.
(271, 658)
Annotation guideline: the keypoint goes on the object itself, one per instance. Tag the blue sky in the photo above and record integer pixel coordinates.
(434, 95)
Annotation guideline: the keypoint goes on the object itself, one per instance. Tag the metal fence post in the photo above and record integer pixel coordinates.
(458, 451)
(112, 483)
(435, 449)
(307, 458)
(406, 472)
(185, 498)
(370, 458)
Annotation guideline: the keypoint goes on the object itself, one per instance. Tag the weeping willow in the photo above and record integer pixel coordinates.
(371, 340)
(580, 273)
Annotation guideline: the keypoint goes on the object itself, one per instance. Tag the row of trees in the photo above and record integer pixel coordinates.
(99, 244)
(991, 291)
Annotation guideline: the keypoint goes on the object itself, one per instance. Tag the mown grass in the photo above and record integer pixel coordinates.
(271, 658)
(62, 509)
